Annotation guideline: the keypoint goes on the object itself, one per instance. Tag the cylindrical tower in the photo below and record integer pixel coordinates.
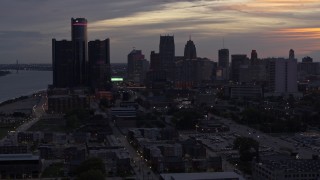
(80, 51)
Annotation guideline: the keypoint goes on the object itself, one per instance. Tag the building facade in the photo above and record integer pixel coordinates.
(190, 51)
(80, 50)
(286, 169)
(99, 64)
(167, 56)
(62, 63)
(237, 62)
(137, 66)
(282, 75)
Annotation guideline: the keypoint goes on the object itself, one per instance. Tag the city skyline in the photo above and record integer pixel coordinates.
(271, 27)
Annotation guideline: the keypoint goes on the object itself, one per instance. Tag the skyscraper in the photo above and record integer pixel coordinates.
(223, 65)
(254, 55)
(236, 62)
(99, 64)
(62, 63)
(167, 56)
(307, 59)
(80, 50)
(282, 75)
(155, 63)
(223, 58)
(291, 54)
(137, 66)
(190, 51)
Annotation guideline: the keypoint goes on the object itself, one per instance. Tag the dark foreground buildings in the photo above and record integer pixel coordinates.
(19, 166)
(74, 66)
(167, 56)
(62, 63)
(80, 51)
(99, 64)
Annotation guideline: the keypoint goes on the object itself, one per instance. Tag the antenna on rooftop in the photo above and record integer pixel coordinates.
(223, 42)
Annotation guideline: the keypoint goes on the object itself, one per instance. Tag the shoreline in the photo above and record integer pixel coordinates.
(4, 73)
(21, 97)
(24, 83)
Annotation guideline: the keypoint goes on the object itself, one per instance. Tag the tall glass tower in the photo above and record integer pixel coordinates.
(190, 51)
(224, 58)
(167, 55)
(80, 51)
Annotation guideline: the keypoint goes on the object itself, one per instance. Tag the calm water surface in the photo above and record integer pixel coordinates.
(23, 83)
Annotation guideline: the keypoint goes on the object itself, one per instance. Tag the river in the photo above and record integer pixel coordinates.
(23, 83)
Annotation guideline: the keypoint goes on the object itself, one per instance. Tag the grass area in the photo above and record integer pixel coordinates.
(4, 131)
(53, 171)
(244, 167)
(68, 123)
(49, 125)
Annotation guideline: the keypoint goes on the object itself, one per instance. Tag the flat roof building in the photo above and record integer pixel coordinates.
(202, 176)
(19, 166)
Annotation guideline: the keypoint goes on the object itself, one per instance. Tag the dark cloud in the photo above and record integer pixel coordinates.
(27, 26)
(19, 34)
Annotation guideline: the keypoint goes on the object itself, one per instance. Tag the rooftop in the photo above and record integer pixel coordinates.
(202, 176)
(295, 165)
(18, 157)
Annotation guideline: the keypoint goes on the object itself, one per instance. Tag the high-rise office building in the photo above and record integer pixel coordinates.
(307, 67)
(155, 63)
(291, 54)
(80, 50)
(192, 73)
(237, 61)
(137, 66)
(282, 75)
(99, 64)
(223, 58)
(223, 69)
(254, 55)
(167, 56)
(307, 59)
(62, 63)
(190, 51)
(70, 59)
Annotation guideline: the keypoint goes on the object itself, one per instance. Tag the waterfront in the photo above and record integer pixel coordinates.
(23, 83)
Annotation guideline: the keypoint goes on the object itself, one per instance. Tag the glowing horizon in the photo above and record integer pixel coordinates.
(270, 26)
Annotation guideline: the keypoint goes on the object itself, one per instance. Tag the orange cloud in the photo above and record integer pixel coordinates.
(300, 33)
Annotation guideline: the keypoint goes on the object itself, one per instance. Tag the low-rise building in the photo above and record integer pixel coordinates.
(19, 166)
(203, 176)
(282, 169)
(65, 103)
(244, 91)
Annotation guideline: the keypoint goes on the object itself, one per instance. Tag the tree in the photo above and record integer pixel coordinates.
(104, 103)
(126, 96)
(71, 121)
(91, 174)
(248, 148)
(251, 116)
(76, 117)
(186, 118)
(96, 164)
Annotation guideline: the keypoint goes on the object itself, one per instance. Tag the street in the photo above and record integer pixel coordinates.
(275, 143)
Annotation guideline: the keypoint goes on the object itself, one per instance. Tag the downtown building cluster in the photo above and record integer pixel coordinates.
(78, 67)
(241, 75)
(79, 63)
(167, 69)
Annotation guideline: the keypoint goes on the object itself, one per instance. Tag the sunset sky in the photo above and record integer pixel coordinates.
(272, 27)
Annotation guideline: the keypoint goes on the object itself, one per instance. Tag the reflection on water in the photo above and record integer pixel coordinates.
(23, 83)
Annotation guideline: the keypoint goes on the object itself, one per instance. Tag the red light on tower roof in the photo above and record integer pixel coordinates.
(79, 24)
